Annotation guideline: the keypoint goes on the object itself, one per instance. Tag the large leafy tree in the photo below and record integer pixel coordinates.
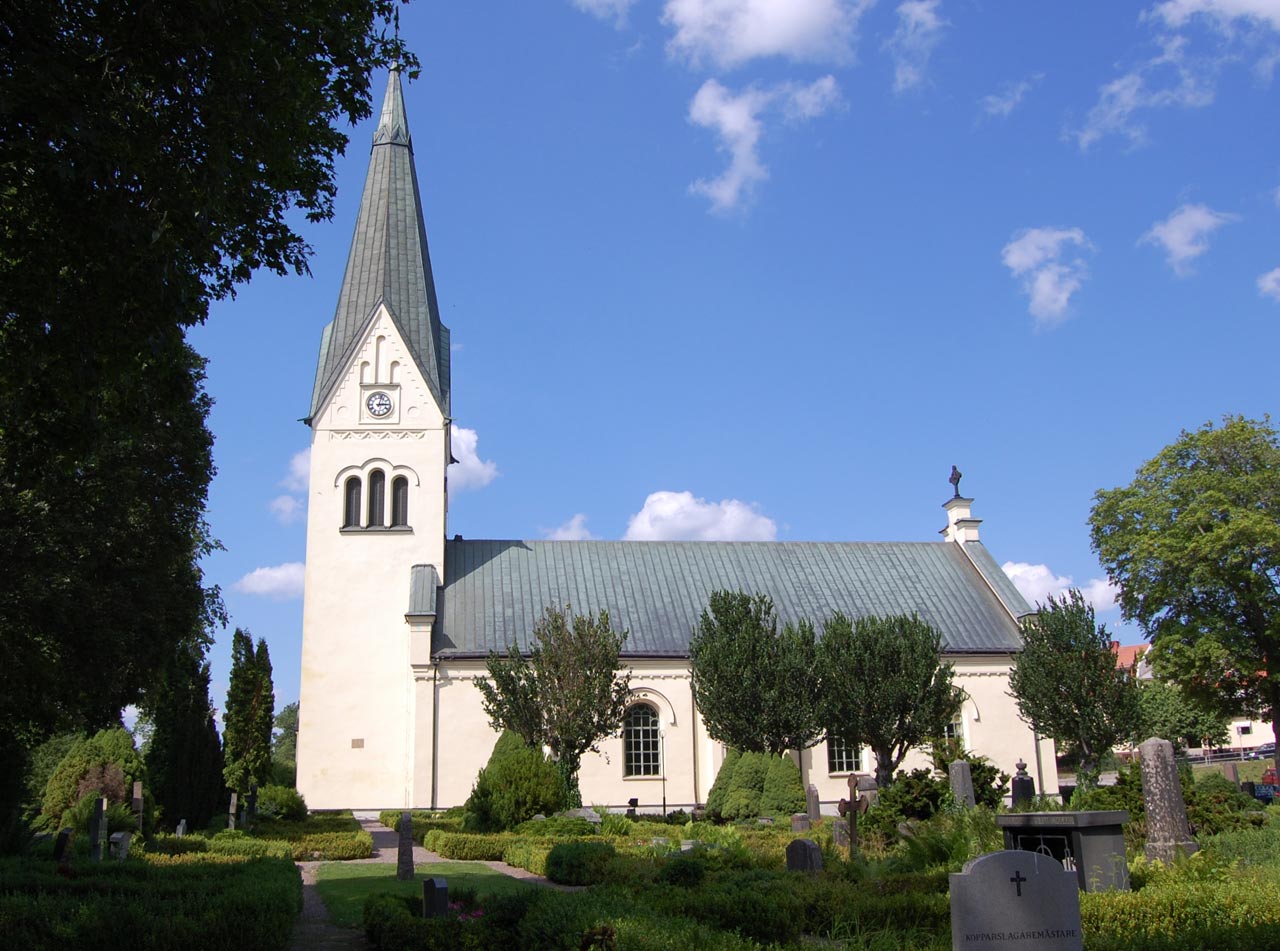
(1165, 710)
(567, 694)
(284, 746)
(184, 755)
(249, 716)
(754, 685)
(885, 685)
(1067, 684)
(152, 156)
(1194, 544)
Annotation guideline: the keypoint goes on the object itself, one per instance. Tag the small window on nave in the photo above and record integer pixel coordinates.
(351, 503)
(642, 741)
(842, 757)
(399, 502)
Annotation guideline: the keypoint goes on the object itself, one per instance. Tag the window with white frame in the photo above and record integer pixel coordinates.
(842, 757)
(642, 741)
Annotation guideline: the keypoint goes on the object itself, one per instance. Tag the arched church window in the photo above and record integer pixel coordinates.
(377, 498)
(351, 503)
(399, 502)
(642, 741)
(842, 757)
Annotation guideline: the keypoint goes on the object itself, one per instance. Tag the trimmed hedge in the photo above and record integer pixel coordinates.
(423, 821)
(1233, 915)
(783, 789)
(211, 902)
(581, 862)
(325, 846)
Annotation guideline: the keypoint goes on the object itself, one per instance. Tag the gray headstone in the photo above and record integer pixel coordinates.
(404, 853)
(98, 829)
(231, 812)
(182, 828)
(1024, 787)
(764, 820)
(1232, 772)
(812, 805)
(1167, 829)
(800, 822)
(62, 845)
(120, 845)
(584, 813)
(138, 801)
(688, 845)
(962, 783)
(435, 898)
(1012, 901)
(840, 832)
(803, 855)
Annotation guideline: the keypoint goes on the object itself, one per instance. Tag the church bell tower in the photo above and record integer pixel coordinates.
(376, 506)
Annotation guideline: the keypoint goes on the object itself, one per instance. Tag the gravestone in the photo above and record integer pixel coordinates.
(404, 852)
(1167, 829)
(138, 801)
(1015, 901)
(803, 855)
(435, 898)
(1232, 772)
(62, 845)
(962, 783)
(840, 833)
(120, 845)
(1024, 787)
(813, 807)
(98, 828)
(800, 822)
(182, 828)
(231, 813)
(583, 813)
(868, 789)
(689, 845)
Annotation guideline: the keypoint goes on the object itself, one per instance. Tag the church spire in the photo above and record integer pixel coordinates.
(388, 264)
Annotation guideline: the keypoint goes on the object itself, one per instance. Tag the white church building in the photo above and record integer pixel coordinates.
(398, 618)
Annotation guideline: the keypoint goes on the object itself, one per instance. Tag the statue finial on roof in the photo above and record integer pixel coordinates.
(956, 476)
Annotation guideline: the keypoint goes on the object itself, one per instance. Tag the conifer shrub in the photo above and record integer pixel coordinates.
(746, 788)
(783, 789)
(580, 862)
(104, 764)
(281, 802)
(516, 784)
(720, 788)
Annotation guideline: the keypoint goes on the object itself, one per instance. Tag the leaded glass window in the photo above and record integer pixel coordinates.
(842, 757)
(642, 741)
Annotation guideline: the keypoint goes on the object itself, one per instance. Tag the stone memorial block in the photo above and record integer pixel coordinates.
(98, 829)
(435, 898)
(764, 820)
(404, 852)
(868, 789)
(1024, 787)
(1167, 830)
(962, 783)
(182, 828)
(1015, 901)
(1232, 772)
(62, 845)
(840, 833)
(138, 801)
(812, 805)
(800, 822)
(120, 845)
(689, 845)
(803, 855)
(231, 813)
(1091, 844)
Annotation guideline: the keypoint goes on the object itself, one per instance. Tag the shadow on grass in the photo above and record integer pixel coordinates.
(343, 886)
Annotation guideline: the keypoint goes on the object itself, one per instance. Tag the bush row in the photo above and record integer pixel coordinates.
(1184, 916)
(423, 821)
(211, 902)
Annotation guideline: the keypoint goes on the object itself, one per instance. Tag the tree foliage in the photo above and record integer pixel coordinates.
(184, 756)
(103, 764)
(753, 684)
(884, 685)
(1164, 710)
(284, 746)
(249, 716)
(516, 784)
(1194, 544)
(152, 156)
(1067, 685)
(567, 695)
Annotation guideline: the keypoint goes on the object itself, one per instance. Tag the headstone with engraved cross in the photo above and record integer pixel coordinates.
(1013, 901)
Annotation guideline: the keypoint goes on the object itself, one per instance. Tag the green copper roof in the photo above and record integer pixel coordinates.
(495, 591)
(389, 264)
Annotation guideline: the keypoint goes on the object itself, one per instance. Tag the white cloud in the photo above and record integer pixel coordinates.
(615, 10)
(470, 471)
(913, 42)
(673, 516)
(1037, 582)
(286, 508)
(1184, 235)
(736, 120)
(1269, 285)
(1010, 96)
(279, 582)
(732, 32)
(1176, 13)
(574, 530)
(1035, 255)
(1169, 79)
(299, 471)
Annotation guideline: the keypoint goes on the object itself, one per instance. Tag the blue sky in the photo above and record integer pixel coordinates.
(768, 268)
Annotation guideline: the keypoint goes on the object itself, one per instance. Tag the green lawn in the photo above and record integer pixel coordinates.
(343, 887)
(1250, 770)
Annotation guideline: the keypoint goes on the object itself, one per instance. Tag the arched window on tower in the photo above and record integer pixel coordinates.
(642, 741)
(399, 502)
(377, 498)
(351, 503)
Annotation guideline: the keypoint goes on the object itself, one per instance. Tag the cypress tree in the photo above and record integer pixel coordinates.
(249, 715)
(184, 757)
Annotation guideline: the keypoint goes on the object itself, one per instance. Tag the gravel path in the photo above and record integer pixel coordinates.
(314, 930)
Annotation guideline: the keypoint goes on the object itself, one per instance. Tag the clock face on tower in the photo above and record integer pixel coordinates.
(378, 404)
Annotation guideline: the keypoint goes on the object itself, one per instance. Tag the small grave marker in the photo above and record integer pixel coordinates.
(800, 822)
(803, 855)
(1024, 787)
(231, 813)
(404, 851)
(813, 807)
(120, 845)
(138, 801)
(435, 898)
(1015, 901)
(962, 783)
(182, 828)
(1232, 772)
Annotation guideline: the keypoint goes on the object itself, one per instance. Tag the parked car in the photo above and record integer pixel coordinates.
(1265, 751)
